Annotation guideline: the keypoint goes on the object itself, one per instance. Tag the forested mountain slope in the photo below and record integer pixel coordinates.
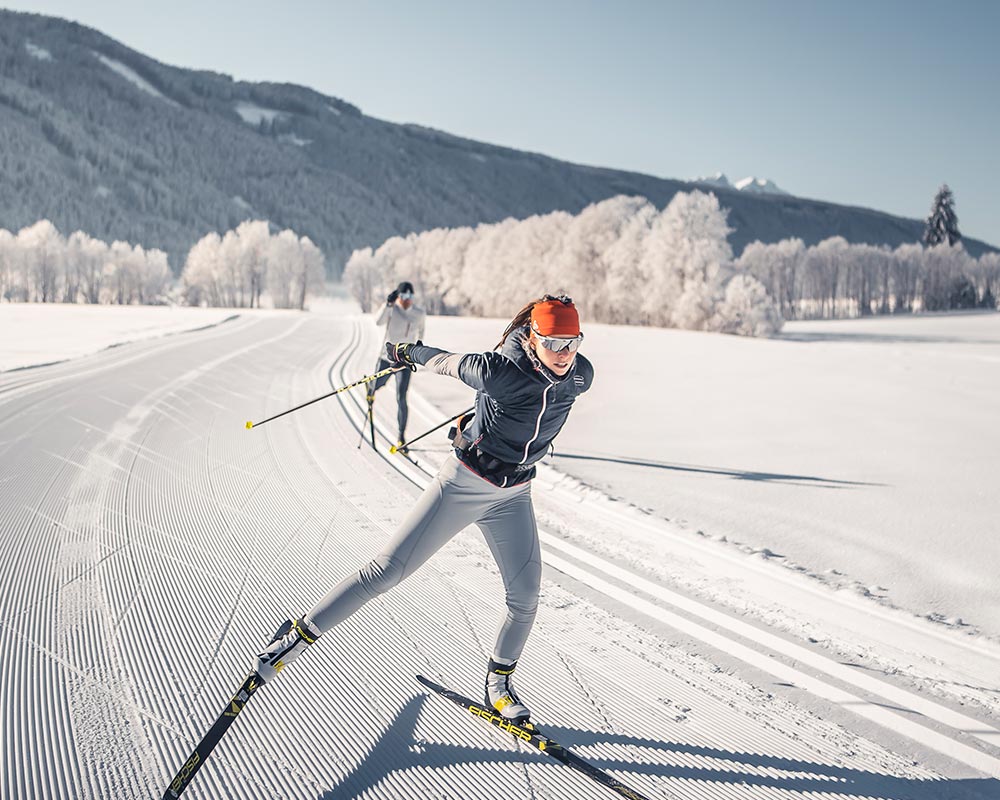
(98, 137)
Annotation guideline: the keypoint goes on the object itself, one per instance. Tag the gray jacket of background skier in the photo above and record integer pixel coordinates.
(402, 324)
(520, 405)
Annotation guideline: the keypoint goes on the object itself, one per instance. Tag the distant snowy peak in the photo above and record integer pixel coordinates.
(754, 185)
(718, 179)
(750, 184)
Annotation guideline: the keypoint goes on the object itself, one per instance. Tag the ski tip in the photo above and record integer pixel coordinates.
(249, 424)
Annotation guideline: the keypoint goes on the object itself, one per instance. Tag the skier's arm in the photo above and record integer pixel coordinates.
(477, 370)
(384, 314)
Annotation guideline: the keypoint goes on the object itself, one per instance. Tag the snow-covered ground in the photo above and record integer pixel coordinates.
(43, 333)
(862, 452)
(743, 540)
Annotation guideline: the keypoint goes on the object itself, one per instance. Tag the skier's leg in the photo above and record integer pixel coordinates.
(378, 383)
(450, 503)
(402, 412)
(512, 535)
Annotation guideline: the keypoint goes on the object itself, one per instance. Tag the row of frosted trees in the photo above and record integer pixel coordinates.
(40, 265)
(626, 262)
(837, 279)
(622, 260)
(235, 270)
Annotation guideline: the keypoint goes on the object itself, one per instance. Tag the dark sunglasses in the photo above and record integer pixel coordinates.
(556, 344)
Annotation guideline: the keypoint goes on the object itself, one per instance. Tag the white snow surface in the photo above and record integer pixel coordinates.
(743, 540)
(749, 184)
(753, 185)
(253, 114)
(43, 333)
(35, 51)
(133, 77)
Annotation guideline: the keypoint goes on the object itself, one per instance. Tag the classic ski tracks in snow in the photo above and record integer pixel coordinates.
(158, 543)
(923, 720)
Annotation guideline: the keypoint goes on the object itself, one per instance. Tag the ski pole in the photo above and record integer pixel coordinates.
(397, 447)
(366, 379)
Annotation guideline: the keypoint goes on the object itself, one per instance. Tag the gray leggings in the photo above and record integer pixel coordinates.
(456, 498)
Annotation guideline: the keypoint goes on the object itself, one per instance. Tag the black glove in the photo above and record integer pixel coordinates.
(399, 355)
(392, 297)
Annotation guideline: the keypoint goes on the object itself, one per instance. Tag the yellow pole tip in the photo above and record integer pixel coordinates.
(249, 424)
(392, 449)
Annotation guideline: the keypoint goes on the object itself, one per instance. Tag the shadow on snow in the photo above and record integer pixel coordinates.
(742, 475)
(399, 749)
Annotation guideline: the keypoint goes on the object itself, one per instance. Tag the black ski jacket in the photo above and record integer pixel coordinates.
(520, 405)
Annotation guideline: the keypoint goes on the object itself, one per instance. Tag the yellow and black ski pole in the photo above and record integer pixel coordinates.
(366, 379)
(403, 445)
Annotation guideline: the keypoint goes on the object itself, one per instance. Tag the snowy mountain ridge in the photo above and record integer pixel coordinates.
(750, 184)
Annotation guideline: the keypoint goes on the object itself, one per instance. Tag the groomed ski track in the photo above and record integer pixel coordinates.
(151, 543)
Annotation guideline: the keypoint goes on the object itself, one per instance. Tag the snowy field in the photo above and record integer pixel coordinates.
(43, 333)
(769, 566)
(863, 452)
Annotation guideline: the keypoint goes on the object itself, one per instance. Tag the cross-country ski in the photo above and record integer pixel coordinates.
(530, 735)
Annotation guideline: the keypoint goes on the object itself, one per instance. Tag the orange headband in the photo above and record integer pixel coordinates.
(555, 318)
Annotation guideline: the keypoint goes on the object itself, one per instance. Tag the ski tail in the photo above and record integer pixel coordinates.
(204, 749)
(531, 735)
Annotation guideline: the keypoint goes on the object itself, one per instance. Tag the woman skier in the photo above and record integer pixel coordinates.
(524, 392)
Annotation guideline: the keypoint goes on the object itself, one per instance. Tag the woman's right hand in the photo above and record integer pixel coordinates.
(399, 354)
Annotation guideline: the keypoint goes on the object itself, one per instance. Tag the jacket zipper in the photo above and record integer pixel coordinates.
(538, 423)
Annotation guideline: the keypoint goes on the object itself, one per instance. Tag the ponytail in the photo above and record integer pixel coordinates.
(523, 317)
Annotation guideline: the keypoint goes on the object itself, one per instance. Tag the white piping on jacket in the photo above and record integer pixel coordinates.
(538, 423)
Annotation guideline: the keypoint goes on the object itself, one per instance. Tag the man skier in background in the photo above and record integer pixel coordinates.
(404, 322)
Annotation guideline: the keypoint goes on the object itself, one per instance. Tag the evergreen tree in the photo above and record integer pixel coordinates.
(942, 224)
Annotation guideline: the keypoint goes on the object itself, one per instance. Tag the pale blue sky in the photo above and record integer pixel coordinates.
(872, 103)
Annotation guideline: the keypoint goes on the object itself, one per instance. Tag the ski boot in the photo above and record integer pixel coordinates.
(500, 695)
(287, 644)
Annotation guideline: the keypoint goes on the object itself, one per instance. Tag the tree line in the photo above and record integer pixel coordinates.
(40, 265)
(628, 263)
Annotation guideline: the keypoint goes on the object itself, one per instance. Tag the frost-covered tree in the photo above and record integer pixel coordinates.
(309, 278)
(623, 278)
(439, 259)
(283, 263)
(8, 258)
(747, 309)
(686, 261)
(253, 236)
(88, 255)
(154, 278)
(200, 277)
(621, 259)
(477, 285)
(580, 264)
(42, 252)
(779, 267)
(988, 273)
(234, 270)
(942, 222)
(360, 278)
(945, 274)
(907, 269)
(123, 273)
